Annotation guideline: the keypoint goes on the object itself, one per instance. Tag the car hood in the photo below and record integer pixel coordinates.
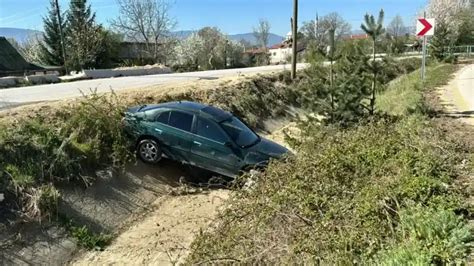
(269, 148)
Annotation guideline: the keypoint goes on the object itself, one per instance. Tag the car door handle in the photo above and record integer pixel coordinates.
(158, 130)
(197, 143)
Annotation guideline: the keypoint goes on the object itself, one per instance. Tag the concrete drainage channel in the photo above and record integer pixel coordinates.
(137, 207)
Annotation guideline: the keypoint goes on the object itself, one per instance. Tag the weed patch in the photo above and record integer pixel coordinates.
(86, 238)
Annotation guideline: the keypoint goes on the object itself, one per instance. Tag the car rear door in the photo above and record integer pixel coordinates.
(209, 149)
(173, 129)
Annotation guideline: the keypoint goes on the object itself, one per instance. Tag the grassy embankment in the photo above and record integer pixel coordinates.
(67, 146)
(380, 193)
(39, 152)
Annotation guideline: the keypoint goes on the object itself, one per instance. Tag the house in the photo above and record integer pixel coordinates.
(356, 37)
(11, 61)
(281, 53)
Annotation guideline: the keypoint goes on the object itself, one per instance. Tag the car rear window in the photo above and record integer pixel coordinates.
(181, 120)
(163, 117)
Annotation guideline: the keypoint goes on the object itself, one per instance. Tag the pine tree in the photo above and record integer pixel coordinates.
(51, 49)
(352, 86)
(374, 30)
(84, 37)
(339, 93)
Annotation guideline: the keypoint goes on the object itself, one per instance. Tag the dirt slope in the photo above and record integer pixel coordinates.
(163, 236)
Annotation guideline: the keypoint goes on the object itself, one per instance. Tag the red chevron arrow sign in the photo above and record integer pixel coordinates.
(425, 27)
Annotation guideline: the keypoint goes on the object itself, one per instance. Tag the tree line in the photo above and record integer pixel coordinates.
(88, 44)
(147, 24)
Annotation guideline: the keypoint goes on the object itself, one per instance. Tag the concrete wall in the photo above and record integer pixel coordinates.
(42, 79)
(8, 82)
(108, 73)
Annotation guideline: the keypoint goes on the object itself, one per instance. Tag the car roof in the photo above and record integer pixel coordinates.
(194, 107)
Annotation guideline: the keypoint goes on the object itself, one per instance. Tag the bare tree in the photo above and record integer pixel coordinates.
(262, 32)
(395, 31)
(147, 21)
(396, 27)
(334, 21)
(318, 31)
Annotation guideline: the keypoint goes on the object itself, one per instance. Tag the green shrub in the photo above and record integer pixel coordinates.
(338, 200)
(428, 236)
(89, 240)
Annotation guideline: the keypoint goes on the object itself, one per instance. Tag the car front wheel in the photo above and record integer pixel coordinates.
(149, 151)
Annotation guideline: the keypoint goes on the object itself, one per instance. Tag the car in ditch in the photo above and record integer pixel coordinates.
(199, 135)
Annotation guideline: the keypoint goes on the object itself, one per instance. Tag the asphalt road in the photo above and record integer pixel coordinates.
(51, 92)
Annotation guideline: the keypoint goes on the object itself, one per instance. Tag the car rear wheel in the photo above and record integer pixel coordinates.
(149, 151)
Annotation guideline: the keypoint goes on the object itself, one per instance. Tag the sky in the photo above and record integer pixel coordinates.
(231, 16)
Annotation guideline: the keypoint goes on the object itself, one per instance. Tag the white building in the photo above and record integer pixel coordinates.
(281, 53)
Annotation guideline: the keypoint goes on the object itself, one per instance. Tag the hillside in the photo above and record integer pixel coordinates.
(20, 35)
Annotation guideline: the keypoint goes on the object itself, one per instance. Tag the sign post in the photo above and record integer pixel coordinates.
(424, 27)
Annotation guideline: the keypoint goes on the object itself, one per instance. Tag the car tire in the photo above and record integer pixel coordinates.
(149, 151)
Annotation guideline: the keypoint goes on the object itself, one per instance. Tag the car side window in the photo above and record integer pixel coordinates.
(181, 120)
(163, 117)
(207, 129)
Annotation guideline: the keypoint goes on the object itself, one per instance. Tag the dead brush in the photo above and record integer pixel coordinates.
(40, 202)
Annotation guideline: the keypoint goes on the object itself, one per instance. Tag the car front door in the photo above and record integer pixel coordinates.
(173, 129)
(212, 150)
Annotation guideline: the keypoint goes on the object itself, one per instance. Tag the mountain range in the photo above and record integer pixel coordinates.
(248, 37)
(21, 35)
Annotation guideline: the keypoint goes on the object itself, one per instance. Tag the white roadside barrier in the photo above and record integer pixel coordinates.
(139, 71)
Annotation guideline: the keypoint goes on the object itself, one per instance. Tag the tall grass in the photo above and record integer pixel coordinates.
(405, 94)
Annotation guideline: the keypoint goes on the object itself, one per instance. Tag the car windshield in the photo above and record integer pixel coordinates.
(239, 132)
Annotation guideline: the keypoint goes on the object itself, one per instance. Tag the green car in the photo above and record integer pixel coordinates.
(198, 135)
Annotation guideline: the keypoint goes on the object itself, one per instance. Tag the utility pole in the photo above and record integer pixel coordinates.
(58, 13)
(316, 26)
(423, 63)
(294, 37)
